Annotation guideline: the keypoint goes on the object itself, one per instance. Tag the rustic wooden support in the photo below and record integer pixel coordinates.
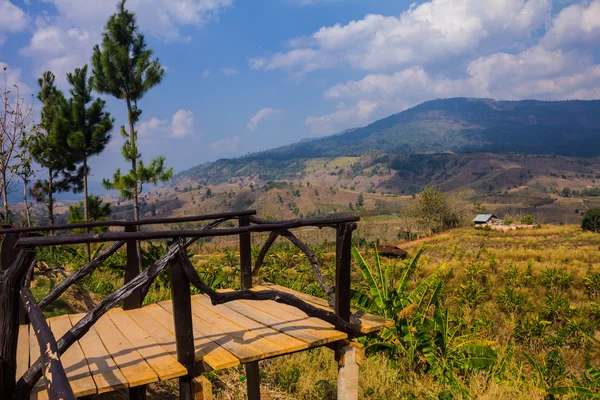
(114, 236)
(314, 263)
(343, 258)
(252, 369)
(34, 373)
(132, 270)
(260, 259)
(81, 273)
(348, 374)
(280, 297)
(11, 281)
(184, 331)
(149, 221)
(55, 378)
(202, 388)
(8, 253)
(312, 259)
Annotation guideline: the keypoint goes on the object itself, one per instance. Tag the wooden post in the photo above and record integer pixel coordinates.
(11, 280)
(348, 374)
(343, 256)
(184, 331)
(252, 370)
(132, 270)
(346, 355)
(203, 388)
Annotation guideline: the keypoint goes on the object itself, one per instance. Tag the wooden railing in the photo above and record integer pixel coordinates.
(18, 249)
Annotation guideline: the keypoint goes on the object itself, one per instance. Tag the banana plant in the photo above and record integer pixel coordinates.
(390, 298)
(450, 353)
(587, 387)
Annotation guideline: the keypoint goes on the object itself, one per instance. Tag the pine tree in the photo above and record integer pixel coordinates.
(97, 211)
(125, 69)
(49, 148)
(87, 126)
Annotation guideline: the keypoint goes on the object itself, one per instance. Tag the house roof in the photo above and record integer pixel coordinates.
(483, 217)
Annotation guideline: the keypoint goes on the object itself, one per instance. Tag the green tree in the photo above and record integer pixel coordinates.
(124, 68)
(436, 211)
(97, 211)
(88, 125)
(591, 220)
(49, 147)
(360, 201)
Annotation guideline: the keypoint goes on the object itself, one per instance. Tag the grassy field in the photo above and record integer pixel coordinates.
(519, 309)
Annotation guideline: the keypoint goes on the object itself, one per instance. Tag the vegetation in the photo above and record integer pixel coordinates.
(97, 211)
(591, 220)
(49, 147)
(478, 314)
(125, 69)
(87, 127)
(16, 127)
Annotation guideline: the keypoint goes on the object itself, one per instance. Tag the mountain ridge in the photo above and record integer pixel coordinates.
(455, 125)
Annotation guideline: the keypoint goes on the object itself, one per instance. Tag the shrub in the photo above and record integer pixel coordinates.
(591, 220)
(528, 220)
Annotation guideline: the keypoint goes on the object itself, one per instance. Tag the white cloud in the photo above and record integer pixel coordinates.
(12, 18)
(65, 41)
(159, 18)
(431, 32)
(206, 73)
(533, 73)
(229, 71)
(182, 125)
(574, 26)
(261, 115)
(229, 145)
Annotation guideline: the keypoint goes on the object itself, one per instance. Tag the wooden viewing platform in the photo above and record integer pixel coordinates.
(136, 347)
(111, 348)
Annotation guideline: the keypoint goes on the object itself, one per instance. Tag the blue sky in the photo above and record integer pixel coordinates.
(244, 75)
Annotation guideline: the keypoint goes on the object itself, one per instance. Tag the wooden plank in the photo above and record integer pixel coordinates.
(164, 364)
(73, 360)
(105, 372)
(241, 333)
(369, 322)
(39, 390)
(300, 328)
(214, 356)
(288, 342)
(128, 359)
(244, 352)
(297, 313)
(22, 351)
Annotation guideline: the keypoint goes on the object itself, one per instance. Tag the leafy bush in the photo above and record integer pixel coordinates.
(528, 220)
(591, 220)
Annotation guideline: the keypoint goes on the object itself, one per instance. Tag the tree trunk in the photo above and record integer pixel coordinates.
(10, 283)
(50, 199)
(86, 216)
(136, 207)
(27, 213)
(136, 210)
(5, 197)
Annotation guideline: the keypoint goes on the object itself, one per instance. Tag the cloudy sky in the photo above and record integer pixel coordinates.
(247, 75)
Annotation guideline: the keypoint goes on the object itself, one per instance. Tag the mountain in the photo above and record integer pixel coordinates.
(456, 125)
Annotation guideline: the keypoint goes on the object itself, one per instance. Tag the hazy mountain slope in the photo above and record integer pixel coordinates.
(459, 125)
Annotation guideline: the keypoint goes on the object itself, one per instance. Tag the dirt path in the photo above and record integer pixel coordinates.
(406, 245)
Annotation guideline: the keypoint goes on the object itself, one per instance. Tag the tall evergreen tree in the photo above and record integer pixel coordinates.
(49, 148)
(87, 125)
(124, 68)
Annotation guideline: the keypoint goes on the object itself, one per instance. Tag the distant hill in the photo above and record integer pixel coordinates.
(457, 125)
